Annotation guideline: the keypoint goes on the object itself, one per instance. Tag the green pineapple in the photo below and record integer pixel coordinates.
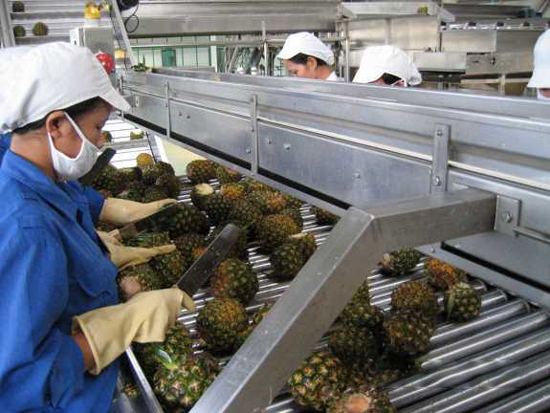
(150, 239)
(170, 266)
(187, 219)
(150, 174)
(362, 400)
(170, 183)
(462, 303)
(233, 191)
(234, 279)
(220, 322)
(306, 242)
(200, 193)
(443, 276)
(19, 31)
(292, 202)
(408, 332)
(137, 134)
(135, 192)
(295, 214)
(187, 243)
(18, 7)
(352, 344)
(361, 314)
(269, 202)
(110, 179)
(217, 207)
(245, 215)
(177, 343)
(416, 295)
(132, 174)
(400, 262)
(286, 261)
(324, 217)
(180, 383)
(320, 375)
(227, 176)
(274, 230)
(201, 171)
(40, 29)
(252, 185)
(154, 193)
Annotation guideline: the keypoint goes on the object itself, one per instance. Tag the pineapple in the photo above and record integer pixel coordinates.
(462, 303)
(187, 219)
(352, 344)
(148, 240)
(361, 314)
(217, 207)
(107, 136)
(362, 400)
(109, 179)
(170, 266)
(154, 193)
(170, 183)
(200, 171)
(324, 217)
(180, 383)
(319, 376)
(132, 174)
(18, 7)
(137, 134)
(408, 332)
(245, 214)
(239, 249)
(144, 160)
(19, 31)
(135, 279)
(150, 174)
(40, 29)
(187, 243)
(296, 215)
(234, 279)
(306, 242)
(177, 343)
(292, 202)
(286, 261)
(135, 192)
(417, 296)
(165, 168)
(274, 230)
(227, 176)
(269, 202)
(200, 193)
(233, 192)
(443, 276)
(220, 322)
(252, 185)
(400, 262)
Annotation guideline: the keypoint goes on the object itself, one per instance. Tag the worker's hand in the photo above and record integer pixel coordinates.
(121, 211)
(109, 331)
(124, 257)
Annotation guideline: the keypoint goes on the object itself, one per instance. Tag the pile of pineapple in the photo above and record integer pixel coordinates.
(268, 217)
(370, 348)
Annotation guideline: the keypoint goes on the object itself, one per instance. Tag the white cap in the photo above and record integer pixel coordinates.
(52, 76)
(306, 43)
(541, 72)
(377, 60)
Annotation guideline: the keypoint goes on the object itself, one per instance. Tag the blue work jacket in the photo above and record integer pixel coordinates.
(95, 199)
(51, 269)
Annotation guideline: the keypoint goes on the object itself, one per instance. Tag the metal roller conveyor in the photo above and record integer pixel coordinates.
(534, 399)
(486, 339)
(488, 387)
(408, 391)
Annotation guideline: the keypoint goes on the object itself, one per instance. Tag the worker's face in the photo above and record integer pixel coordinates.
(545, 92)
(309, 70)
(66, 138)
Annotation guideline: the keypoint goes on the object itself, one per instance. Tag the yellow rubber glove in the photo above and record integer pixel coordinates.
(121, 211)
(124, 257)
(144, 319)
(109, 237)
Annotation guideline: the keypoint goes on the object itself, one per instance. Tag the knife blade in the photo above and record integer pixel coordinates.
(135, 228)
(100, 164)
(201, 270)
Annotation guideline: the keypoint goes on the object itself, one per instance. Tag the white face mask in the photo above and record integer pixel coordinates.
(69, 169)
(541, 96)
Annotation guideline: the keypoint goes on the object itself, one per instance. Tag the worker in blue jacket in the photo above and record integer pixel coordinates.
(63, 328)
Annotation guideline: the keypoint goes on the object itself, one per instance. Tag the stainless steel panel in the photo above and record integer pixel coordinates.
(418, 33)
(440, 62)
(500, 63)
(488, 41)
(388, 9)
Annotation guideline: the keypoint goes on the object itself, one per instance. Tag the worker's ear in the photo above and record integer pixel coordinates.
(311, 63)
(53, 123)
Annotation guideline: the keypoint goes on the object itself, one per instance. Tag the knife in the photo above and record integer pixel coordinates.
(133, 229)
(201, 270)
(100, 164)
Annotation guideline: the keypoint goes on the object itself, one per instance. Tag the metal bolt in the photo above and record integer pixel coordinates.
(180, 113)
(436, 181)
(432, 250)
(507, 217)
(269, 142)
(357, 175)
(166, 105)
(287, 146)
(248, 150)
(188, 117)
(439, 133)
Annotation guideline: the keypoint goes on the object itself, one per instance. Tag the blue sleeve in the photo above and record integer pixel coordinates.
(96, 201)
(5, 141)
(41, 366)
